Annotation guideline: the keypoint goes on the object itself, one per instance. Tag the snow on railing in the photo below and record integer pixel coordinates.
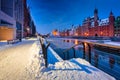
(53, 56)
(50, 55)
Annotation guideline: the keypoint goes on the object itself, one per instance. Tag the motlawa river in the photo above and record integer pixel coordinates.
(107, 62)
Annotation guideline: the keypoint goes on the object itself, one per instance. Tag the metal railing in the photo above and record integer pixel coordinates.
(44, 51)
(67, 51)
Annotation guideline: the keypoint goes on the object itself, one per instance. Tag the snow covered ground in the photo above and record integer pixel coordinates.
(74, 69)
(113, 43)
(3, 44)
(24, 61)
(14, 60)
(109, 42)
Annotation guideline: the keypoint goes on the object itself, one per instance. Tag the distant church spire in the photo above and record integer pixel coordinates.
(96, 17)
(111, 13)
(96, 14)
(96, 11)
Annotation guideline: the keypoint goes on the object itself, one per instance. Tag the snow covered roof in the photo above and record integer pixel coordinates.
(92, 17)
(103, 21)
(92, 24)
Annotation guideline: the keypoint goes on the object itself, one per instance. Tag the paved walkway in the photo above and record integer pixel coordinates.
(14, 60)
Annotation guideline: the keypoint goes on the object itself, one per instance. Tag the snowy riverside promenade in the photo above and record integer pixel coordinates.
(24, 61)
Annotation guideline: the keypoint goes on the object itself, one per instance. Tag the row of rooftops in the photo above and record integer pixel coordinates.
(101, 22)
(91, 19)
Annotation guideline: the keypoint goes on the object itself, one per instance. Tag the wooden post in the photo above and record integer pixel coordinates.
(41, 43)
(44, 51)
(74, 52)
(89, 52)
(67, 54)
(46, 62)
(83, 50)
(64, 55)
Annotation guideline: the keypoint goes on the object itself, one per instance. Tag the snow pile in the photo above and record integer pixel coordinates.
(52, 56)
(113, 43)
(74, 69)
(14, 60)
(24, 61)
(36, 62)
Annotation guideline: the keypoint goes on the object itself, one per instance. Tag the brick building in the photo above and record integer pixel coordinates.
(93, 26)
(27, 20)
(29, 26)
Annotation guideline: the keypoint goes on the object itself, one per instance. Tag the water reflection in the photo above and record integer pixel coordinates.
(107, 62)
(96, 59)
(111, 61)
(76, 41)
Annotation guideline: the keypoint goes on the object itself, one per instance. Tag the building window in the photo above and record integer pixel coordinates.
(5, 22)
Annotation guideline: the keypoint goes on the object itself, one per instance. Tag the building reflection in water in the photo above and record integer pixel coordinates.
(76, 41)
(111, 61)
(107, 62)
(96, 58)
(86, 53)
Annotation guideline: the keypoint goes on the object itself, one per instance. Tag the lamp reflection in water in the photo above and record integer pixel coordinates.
(87, 51)
(76, 41)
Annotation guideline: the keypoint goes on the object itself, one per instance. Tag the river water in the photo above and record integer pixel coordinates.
(107, 62)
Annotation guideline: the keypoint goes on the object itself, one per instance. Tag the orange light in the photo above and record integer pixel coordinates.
(101, 33)
(86, 34)
(76, 34)
(55, 33)
(85, 44)
(76, 41)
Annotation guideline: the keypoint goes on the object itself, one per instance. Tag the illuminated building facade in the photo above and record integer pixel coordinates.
(93, 26)
(29, 28)
(7, 21)
(55, 32)
(19, 17)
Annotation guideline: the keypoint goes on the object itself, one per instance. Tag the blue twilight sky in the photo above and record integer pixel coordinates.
(61, 14)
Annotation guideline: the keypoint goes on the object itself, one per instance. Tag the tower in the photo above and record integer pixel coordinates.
(96, 14)
(96, 17)
(111, 24)
(111, 18)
